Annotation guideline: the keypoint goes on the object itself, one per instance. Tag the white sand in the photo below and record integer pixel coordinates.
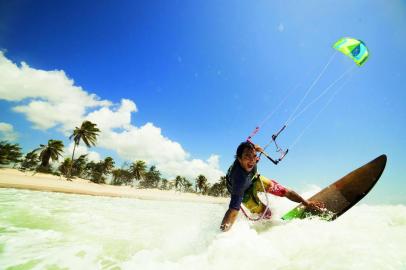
(12, 178)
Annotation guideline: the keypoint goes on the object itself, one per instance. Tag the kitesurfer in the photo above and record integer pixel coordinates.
(244, 182)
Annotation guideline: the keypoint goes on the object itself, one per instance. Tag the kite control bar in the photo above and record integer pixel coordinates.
(274, 136)
(271, 159)
(278, 148)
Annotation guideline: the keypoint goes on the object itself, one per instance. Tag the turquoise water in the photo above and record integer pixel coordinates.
(40, 230)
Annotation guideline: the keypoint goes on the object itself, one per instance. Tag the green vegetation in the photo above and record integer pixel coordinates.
(9, 153)
(52, 151)
(46, 159)
(30, 161)
(88, 134)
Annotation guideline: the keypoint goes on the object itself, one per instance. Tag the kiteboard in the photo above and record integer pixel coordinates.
(344, 193)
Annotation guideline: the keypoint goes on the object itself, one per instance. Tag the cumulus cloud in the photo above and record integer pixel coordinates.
(148, 143)
(82, 150)
(50, 99)
(111, 118)
(191, 168)
(7, 132)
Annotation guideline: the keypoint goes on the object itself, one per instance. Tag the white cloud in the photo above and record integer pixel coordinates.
(50, 99)
(148, 143)
(7, 132)
(82, 150)
(191, 168)
(108, 119)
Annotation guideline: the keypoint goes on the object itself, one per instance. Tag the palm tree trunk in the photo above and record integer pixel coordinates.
(45, 159)
(71, 163)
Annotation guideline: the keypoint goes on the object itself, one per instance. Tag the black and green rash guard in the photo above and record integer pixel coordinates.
(238, 182)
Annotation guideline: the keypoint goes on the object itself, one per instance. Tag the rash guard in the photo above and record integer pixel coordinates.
(238, 181)
(243, 185)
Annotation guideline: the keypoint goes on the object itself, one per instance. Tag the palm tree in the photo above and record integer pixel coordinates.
(178, 183)
(151, 179)
(121, 176)
(64, 166)
(219, 188)
(187, 186)
(206, 189)
(97, 171)
(164, 184)
(89, 169)
(52, 151)
(30, 161)
(138, 169)
(201, 182)
(223, 186)
(215, 190)
(106, 167)
(87, 133)
(78, 166)
(9, 153)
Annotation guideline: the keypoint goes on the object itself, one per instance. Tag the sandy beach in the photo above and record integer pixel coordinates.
(13, 178)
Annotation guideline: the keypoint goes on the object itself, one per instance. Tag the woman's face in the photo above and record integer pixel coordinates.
(248, 159)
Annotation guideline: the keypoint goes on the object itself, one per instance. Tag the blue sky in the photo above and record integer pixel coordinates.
(181, 83)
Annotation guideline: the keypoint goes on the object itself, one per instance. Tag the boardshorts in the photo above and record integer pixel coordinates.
(251, 200)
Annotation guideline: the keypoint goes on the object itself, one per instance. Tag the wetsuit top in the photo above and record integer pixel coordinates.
(238, 181)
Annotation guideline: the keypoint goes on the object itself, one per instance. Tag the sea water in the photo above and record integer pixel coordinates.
(42, 230)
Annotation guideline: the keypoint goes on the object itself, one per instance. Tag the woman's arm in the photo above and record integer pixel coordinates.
(229, 219)
(293, 196)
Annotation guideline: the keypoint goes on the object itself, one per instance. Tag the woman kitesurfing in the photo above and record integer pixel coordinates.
(243, 180)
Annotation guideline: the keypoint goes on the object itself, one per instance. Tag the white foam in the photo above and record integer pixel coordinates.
(84, 232)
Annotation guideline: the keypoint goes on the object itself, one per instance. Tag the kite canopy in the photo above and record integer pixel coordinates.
(353, 48)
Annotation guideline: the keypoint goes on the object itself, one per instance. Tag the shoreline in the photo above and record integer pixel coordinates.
(13, 178)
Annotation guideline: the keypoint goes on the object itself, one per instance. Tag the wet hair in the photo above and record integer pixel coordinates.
(242, 147)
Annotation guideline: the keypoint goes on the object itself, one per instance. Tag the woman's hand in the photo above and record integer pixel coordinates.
(258, 148)
(315, 206)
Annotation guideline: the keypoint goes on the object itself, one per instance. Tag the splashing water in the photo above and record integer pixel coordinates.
(40, 230)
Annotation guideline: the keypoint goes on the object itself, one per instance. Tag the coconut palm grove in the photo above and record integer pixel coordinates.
(48, 158)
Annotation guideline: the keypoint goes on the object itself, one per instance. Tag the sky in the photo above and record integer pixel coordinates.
(180, 84)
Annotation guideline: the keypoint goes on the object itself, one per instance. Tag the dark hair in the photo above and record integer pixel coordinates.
(242, 146)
